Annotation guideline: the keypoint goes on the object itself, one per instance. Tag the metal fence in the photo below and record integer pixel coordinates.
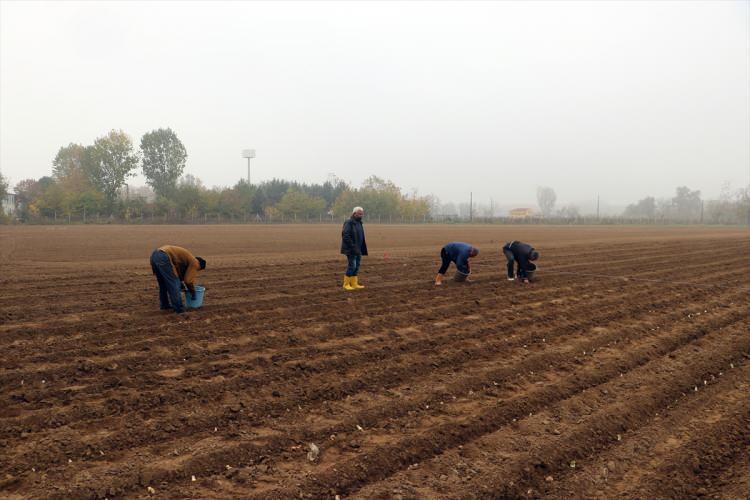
(257, 219)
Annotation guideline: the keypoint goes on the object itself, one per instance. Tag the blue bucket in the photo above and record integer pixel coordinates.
(198, 301)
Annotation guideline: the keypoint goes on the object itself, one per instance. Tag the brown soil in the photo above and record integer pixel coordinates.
(623, 372)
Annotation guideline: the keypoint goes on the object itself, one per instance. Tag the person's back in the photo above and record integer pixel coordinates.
(458, 250)
(184, 263)
(459, 253)
(520, 253)
(519, 248)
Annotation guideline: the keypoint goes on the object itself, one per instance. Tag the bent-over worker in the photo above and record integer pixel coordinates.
(459, 253)
(521, 254)
(174, 266)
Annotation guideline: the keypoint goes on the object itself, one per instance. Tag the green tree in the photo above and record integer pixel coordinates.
(298, 204)
(345, 201)
(190, 197)
(3, 191)
(245, 194)
(69, 161)
(274, 190)
(415, 208)
(3, 185)
(109, 162)
(27, 191)
(163, 159)
(379, 198)
(51, 201)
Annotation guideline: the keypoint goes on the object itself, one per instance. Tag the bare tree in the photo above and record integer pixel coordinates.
(546, 198)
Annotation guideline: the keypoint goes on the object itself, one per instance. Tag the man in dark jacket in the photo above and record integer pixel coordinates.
(353, 245)
(457, 252)
(173, 266)
(522, 254)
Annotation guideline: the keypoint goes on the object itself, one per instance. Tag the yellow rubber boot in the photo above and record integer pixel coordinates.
(355, 282)
(348, 283)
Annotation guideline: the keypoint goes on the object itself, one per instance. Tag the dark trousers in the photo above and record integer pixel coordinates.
(509, 255)
(446, 262)
(170, 289)
(352, 264)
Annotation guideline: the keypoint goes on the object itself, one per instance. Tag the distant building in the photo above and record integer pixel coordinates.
(9, 204)
(520, 213)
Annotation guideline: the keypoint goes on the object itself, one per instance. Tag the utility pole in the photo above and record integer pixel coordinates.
(597, 207)
(471, 206)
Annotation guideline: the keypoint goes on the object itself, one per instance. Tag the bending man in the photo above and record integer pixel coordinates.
(173, 266)
(459, 253)
(522, 254)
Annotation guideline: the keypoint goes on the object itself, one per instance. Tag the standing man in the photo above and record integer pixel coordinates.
(173, 266)
(354, 247)
(521, 253)
(457, 252)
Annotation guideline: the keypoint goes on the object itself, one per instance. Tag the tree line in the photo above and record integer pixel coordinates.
(686, 206)
(92, 180)
(732, 207)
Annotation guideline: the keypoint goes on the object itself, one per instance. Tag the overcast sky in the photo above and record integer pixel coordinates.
(623, 99)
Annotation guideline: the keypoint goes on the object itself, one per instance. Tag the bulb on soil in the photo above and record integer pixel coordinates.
(312, 455)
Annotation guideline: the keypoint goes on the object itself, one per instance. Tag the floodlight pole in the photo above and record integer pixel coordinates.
(248, 153)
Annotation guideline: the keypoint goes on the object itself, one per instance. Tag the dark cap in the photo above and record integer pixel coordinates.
(201, 261)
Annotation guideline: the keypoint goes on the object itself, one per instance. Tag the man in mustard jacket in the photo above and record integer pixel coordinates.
(173, 266)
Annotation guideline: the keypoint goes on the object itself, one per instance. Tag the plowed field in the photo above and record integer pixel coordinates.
(623, 372)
